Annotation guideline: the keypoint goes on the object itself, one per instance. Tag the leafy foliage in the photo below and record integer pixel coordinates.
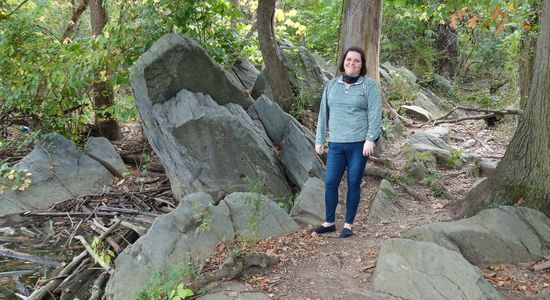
(170, 286)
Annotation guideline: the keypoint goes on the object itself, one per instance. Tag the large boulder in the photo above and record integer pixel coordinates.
(190, 233)
(244, 72)
(423, 270)
(203, 146)
(505, 234)
(207, 147)
(296, 142)
(309, 207)
(60, 171)
(175, 62)
(257, 216)
(100, 149)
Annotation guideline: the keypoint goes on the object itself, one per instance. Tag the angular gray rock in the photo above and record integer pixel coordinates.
(441, 132)
(257, 216)
(430, 102)
(423, 271)
(180, 237)
(175, 62)
(309, 207)
(382, 206)
(505, 234)
(100, 149)
(421, 141)
(245, 72)
(60, 171)
(233, 291)
(297, 142)
(416, 112)
(207, 147)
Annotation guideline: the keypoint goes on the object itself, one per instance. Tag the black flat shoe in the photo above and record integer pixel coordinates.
(322, 229)
(346, 233)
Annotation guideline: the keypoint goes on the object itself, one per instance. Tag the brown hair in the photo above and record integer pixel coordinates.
(359, 50)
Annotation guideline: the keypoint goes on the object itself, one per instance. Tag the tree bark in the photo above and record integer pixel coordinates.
(521, 177)
(75, 19)
(276, 72)
(528, 44)
(446, 43)
(103, 94)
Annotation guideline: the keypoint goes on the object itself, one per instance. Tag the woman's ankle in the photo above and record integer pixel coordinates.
(327, 224)
(347, 225)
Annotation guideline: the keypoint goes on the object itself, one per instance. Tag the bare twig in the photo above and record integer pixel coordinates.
(27, 257)
(44, 290)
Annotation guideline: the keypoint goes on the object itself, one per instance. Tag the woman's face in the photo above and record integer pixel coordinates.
(352, 63)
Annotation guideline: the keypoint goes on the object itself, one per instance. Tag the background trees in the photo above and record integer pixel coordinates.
(522, 175)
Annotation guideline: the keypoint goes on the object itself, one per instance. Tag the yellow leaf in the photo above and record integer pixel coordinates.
(106, 34)
(511, 6)
(472, 22)
(453, 24)
(423, 17)
(442, 22)
(292, 13)
(500, 26)
(495, 13)
(279, 15)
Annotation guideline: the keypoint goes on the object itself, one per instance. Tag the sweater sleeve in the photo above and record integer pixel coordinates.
(374, 112)
(322, 120)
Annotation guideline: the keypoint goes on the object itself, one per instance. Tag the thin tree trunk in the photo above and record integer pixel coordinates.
(75, 19)
(522, 176)
(103, 93)
(277, 75)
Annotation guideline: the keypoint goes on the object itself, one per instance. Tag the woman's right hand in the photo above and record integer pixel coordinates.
(319, 148)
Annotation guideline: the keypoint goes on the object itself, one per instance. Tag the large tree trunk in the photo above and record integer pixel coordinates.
(522, 177)
(528, 44)
(103, 93)
(361, 25)
(277, 75)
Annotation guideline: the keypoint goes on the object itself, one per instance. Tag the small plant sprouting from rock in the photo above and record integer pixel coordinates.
(456, 157)
(254, 204)
(171, 286)
(202, 217)
(431, 181)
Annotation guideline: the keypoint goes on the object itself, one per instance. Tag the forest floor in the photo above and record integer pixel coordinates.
(328, 267)
(310, 266)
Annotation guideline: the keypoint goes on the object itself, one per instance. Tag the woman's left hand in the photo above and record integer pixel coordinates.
(368, 148)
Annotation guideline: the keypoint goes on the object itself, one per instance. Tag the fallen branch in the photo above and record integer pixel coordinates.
(27, 257)
(98, 286)
(489, 113)
(66, 214)
(44, 290)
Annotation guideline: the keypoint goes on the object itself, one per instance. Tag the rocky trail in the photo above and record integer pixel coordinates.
(310, 266)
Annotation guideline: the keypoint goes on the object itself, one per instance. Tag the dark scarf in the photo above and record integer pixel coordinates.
(349, 79)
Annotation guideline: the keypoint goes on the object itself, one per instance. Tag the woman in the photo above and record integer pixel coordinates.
(350, 110)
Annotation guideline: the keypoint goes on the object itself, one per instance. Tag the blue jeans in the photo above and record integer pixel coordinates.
(342, 156)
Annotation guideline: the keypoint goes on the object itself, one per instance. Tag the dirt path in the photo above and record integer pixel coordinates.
(328, 267)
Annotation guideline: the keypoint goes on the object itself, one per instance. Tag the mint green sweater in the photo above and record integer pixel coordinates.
(350, 114)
